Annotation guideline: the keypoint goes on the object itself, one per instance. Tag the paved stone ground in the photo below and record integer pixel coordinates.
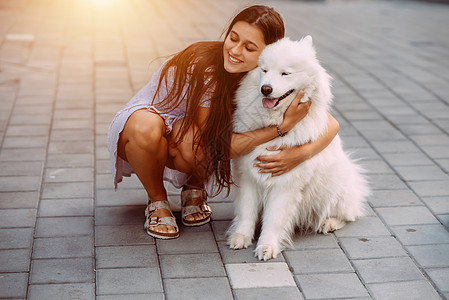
(67, 66)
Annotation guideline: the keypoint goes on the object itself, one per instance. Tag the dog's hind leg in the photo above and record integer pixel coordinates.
(241, 231)
(278, 223)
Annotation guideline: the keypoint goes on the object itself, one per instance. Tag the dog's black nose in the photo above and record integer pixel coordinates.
(266, 89)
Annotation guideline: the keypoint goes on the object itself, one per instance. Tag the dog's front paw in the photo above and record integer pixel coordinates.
(330, 225)
(239, 241)
(266, 252)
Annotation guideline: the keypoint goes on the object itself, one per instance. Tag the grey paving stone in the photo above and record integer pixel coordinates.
(367, 226)
(222, 211)
(126, 257)
(346, 285)
(382, 198)
(103, 166)
(386, 182)
(444, 219)
(67, 270)
(404, 290)
(436, 151)
(69, 160)
(105, 181)
(406, 215)
(372, 247)
(256, 275)
(314, 241)
(13, 285)
(80, 147)
(67, 190)
(421, 234)
(26, 120)
(430, 188)
(188, 242)
(64, 226)
(119, 215)
(31, 154)
(72, 124)
(220, 228)
(15, 238)
(63, 247)
(68, 175)
(15, 261)
(395, 146)
(268, 293)
(19, 183)
(430, 256)
(121, 197)
(444, 164)
(25, 142)
(231, 256)
(17, 218)
(191, 265)
(122, 235)
(74, 135)
(61, 291)
(66, 207)
(201, 288)
(438, 205)
(27, 130)
(416, 173)
(19, 199)
(387, 269)
(152, 296)
(404, 159)
(375, 167)
(439, 277)
(21, 168)
(128, 281)
(317, 261)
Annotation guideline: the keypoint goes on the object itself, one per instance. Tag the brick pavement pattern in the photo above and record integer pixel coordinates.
(67, 66)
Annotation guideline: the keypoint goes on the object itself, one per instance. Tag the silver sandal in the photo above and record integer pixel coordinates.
(194, 201)
(156, 221)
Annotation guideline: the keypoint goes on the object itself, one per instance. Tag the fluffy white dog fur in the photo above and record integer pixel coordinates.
(320, 194)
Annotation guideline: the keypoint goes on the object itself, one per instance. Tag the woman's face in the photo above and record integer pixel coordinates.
(242, 47)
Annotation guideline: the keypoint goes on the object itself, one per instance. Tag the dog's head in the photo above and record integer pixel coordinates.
(285, 68)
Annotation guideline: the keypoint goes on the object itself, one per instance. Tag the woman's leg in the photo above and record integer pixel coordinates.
(143, 145)
(184, 159)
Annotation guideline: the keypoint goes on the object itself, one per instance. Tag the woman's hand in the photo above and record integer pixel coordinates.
(295, 112)
(284, 161)
(288, 158)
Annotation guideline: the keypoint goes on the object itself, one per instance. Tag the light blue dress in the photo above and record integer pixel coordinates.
(144, 100)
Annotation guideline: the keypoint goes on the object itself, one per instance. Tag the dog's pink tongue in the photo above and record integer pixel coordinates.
(269, 102)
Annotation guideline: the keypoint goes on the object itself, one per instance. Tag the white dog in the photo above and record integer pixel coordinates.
(320, 194)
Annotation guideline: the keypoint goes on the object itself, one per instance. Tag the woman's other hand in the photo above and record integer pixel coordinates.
(282, 162)
(295, 112)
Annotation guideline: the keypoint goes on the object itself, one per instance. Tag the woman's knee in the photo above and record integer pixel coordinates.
(145, 129)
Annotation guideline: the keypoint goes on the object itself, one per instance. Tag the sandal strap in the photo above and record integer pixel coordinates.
(192, 209)
(155, 205)
(192, 194)
(156, 221)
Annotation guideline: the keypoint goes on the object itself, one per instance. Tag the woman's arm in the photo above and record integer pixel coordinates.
(245, 142)
(288, 158)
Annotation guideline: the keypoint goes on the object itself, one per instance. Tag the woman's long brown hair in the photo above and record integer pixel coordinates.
(199, 69)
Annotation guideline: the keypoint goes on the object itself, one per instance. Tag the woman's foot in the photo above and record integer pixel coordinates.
(195, 211)
(160, 222)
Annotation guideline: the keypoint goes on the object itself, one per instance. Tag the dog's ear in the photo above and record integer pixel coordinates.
(307, 39)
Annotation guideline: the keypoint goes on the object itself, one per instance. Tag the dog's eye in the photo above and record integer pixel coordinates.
(285, 74)
(263, 70)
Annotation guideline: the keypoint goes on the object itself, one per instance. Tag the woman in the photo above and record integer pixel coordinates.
(179, 126)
